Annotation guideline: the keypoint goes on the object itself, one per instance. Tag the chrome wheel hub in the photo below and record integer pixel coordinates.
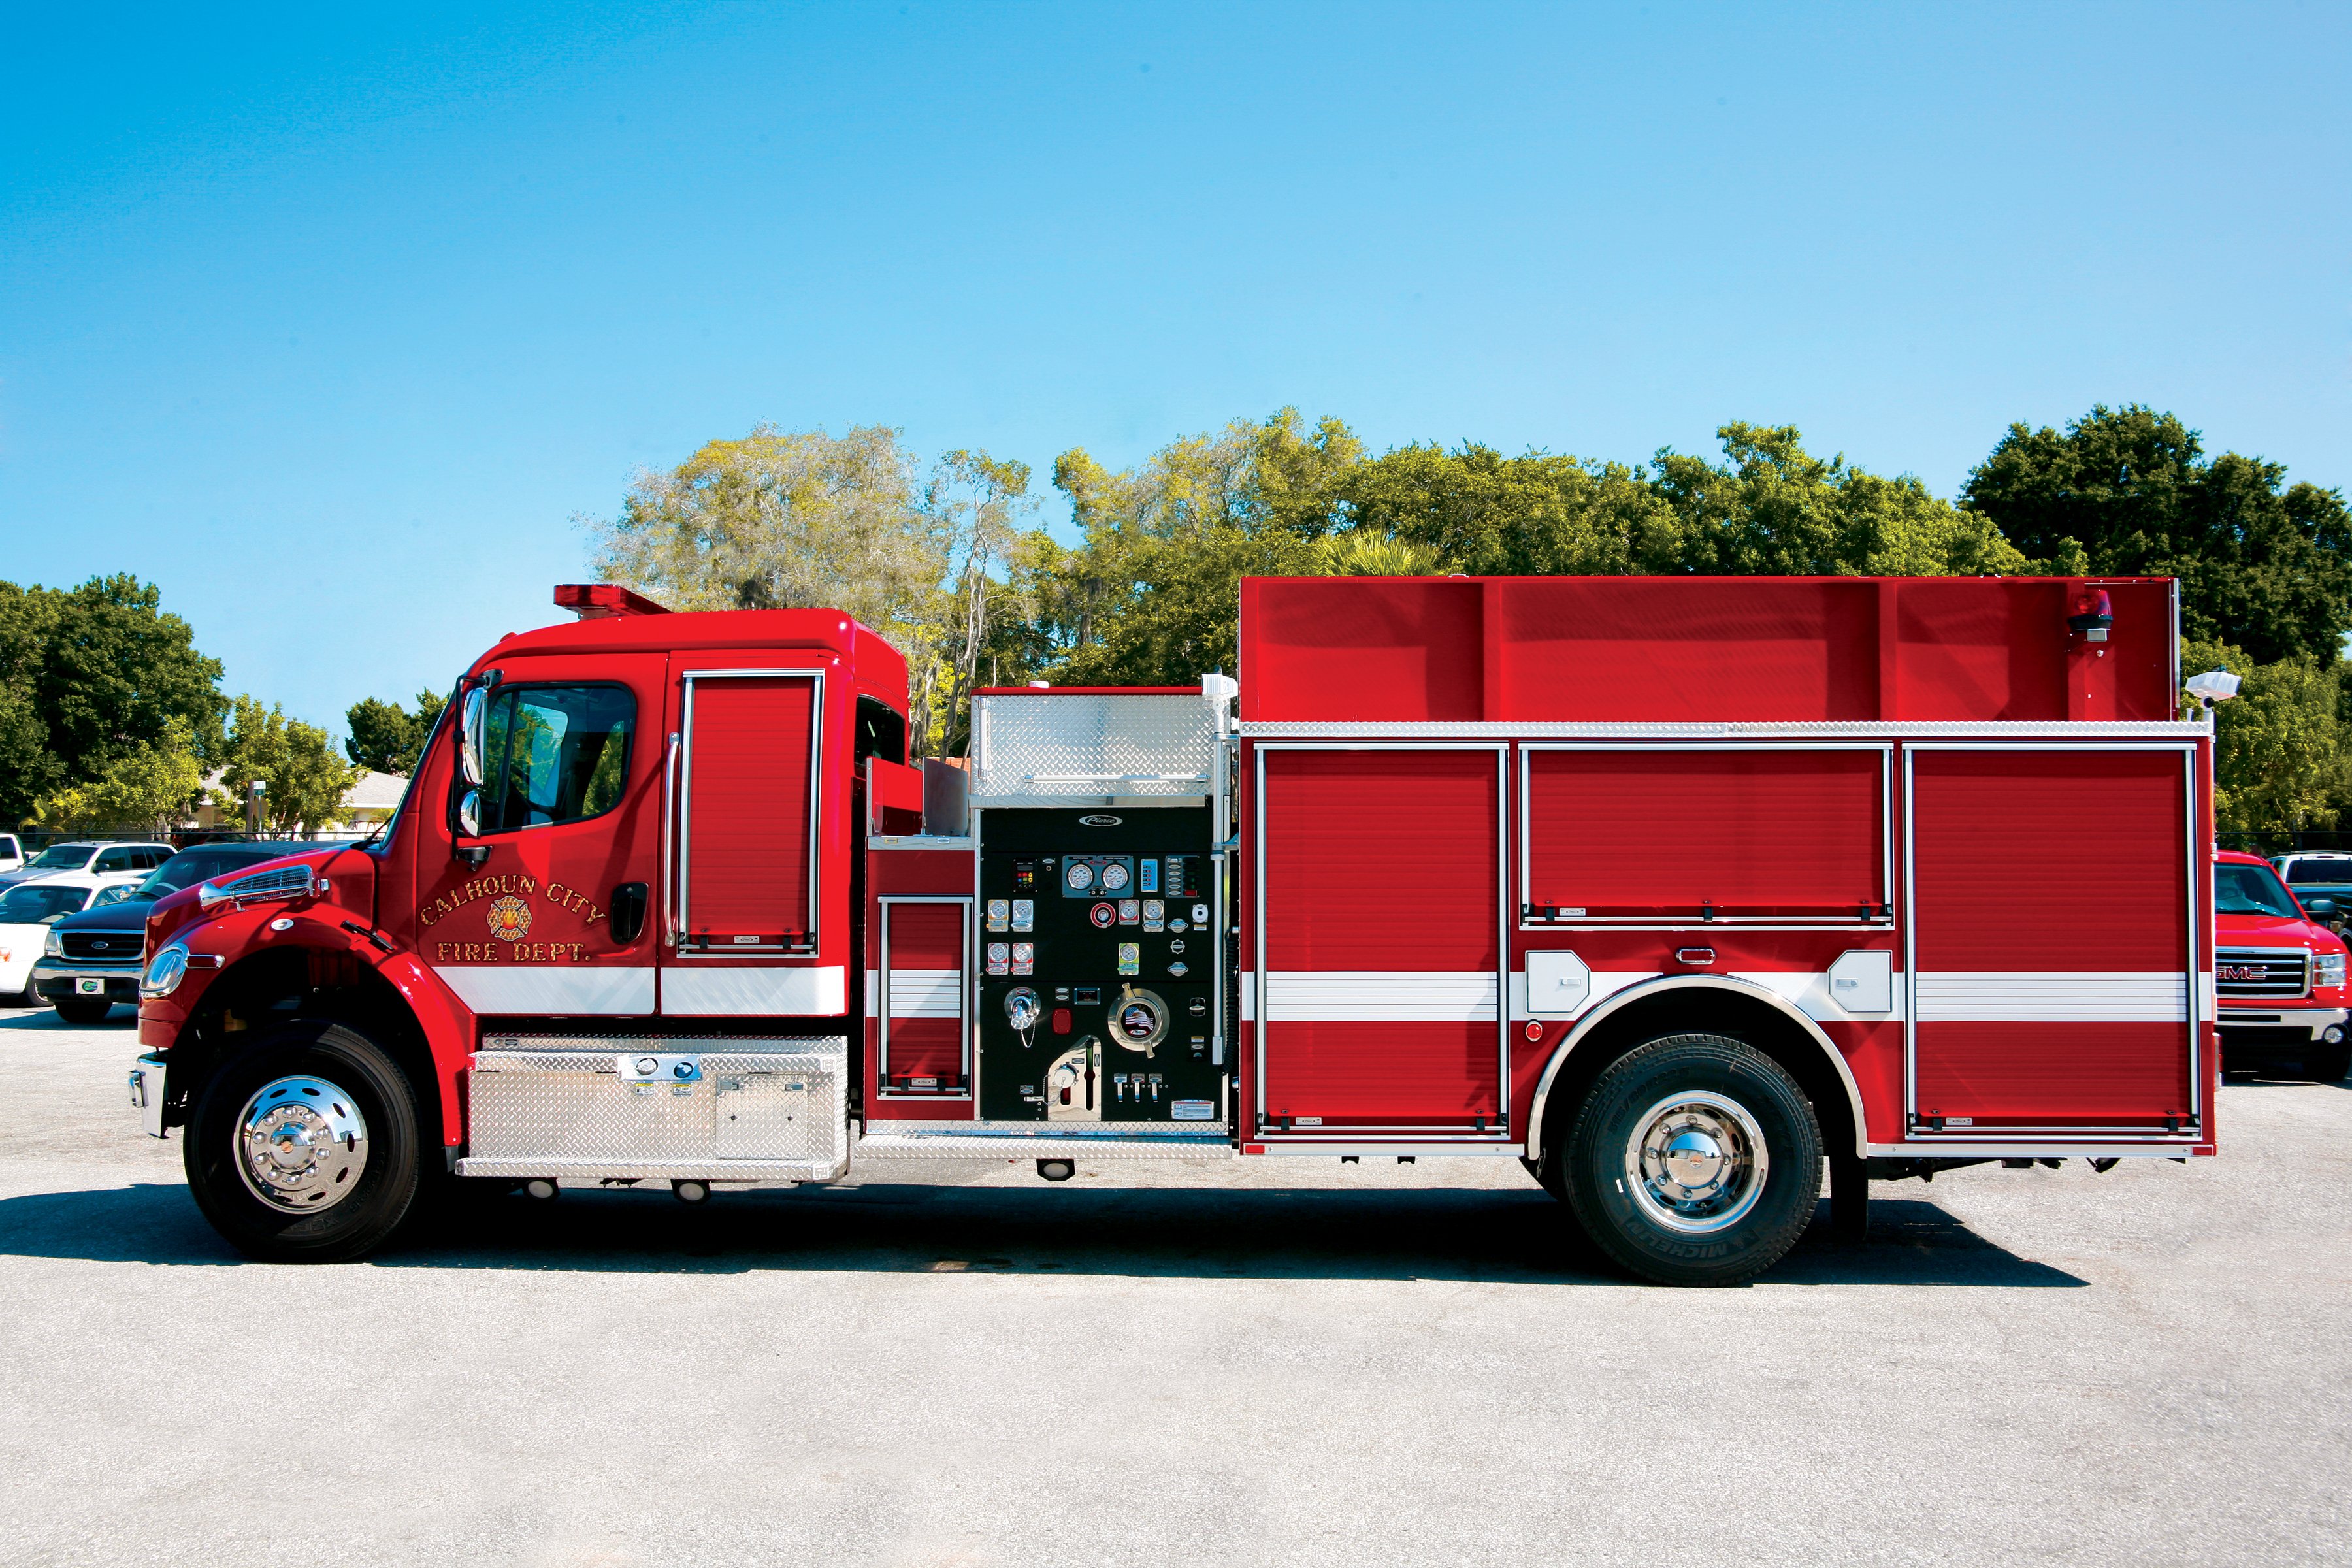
(302, 1145)
(1696, 1163)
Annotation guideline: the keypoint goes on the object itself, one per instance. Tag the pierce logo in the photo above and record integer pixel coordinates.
(1098, 822)
(510, 919)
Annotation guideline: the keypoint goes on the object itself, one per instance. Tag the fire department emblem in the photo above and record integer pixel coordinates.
(510, 919)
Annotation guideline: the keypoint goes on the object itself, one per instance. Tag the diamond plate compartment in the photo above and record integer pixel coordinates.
(757, 1110)
(1076, 748)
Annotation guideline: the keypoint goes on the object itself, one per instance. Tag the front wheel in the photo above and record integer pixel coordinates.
(1695, 1160)
(304, 1148)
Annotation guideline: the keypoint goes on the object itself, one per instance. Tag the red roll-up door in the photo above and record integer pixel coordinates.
(2051, 943)
(1381, 940)
(750, 825)
(1669, 831)
(924, 980)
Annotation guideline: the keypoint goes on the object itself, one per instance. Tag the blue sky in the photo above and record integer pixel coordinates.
(331, 324)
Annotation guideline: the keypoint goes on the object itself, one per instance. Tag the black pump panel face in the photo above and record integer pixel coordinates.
(1124, 974)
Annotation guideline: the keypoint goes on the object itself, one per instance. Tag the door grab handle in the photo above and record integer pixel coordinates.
(669, 807)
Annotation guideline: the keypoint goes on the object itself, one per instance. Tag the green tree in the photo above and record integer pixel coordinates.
(1176, 619)
(980, 501)
(781, 519)
(88, 677)
(1476, 510)
(1150, 595)
(2278, 746)
(150, 788)
(1770, 508)
(2127, 492)
(303, 779)
(387, 738)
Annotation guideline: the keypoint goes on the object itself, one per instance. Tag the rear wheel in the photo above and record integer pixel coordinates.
(1694, 1161)
(84, 1010)
(305, 1149)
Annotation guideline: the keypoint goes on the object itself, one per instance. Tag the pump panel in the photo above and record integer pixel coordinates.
(1097, 994)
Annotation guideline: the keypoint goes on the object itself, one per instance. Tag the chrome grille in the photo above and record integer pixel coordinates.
(277, 882)
(2262, 972)
(103, 946)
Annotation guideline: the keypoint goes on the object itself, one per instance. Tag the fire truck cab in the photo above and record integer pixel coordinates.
(1674, 890)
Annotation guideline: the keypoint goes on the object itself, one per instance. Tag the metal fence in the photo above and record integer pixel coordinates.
(2283, 840)
(35, 839)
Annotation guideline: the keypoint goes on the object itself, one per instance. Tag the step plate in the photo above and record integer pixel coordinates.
(677, 1109)
(1036, 1140)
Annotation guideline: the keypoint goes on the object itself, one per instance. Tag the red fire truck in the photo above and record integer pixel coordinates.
(1675, 890)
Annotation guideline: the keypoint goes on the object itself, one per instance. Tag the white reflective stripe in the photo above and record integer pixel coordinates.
(2090, 996)
(2209, 999)
(873, 991)
(1807, 991)
(591, 988)
(705, 989)
(1606, 982)
(1379, 995)
(1249, 997)
(1810, 995)
(927, 993)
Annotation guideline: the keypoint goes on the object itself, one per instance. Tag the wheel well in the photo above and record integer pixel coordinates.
(1750, 1019)
(291, 984)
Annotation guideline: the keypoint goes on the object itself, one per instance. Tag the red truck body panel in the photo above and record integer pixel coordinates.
(1800, 790)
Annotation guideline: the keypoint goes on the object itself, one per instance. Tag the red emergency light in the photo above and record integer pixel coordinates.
(2093, 614)
(599, 601)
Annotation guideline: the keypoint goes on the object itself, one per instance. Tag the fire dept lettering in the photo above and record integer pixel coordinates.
(509, 917)
(449, 904)
(517, 952)
(576, 902)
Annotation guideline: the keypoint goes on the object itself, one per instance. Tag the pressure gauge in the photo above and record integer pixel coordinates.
(1114, 877)
(1080, 875)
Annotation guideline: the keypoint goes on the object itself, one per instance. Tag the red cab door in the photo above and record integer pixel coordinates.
(541, 911)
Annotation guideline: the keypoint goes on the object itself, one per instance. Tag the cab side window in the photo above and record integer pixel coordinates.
(554, 754)
(116, 860)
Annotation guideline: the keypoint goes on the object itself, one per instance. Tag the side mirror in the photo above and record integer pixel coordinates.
(2320, 907)
(469, 813)
(470, 726)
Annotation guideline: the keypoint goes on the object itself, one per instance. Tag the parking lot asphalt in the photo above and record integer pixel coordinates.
(1278, 1362)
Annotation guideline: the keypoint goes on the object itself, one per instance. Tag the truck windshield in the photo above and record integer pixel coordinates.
(2252, 890)
(63, 858)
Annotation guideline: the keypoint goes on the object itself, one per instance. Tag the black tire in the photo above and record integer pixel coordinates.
(83, 1010)
(1727, 1239)
(346, 1226)
(2328, 1064)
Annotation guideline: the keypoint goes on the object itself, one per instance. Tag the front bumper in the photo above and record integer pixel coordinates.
(147, 1092)
(53, 979)
(2285, 1028)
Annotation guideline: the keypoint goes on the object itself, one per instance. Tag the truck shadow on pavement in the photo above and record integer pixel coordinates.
(1470, 1236)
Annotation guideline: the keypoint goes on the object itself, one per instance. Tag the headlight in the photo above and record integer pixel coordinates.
(2327, 969)
(54, 944)
(162, 976)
